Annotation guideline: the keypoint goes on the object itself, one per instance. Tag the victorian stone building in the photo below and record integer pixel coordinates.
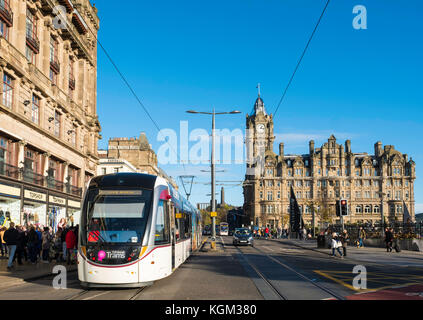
(375, 186)
(48, 113)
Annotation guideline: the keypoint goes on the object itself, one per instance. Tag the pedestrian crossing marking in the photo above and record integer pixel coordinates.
(373, 278)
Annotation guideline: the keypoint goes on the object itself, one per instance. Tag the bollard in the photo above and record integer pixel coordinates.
(213, 245)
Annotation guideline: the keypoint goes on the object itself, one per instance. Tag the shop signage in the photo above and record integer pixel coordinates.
(35, 195)
(57, 200)
(8, 190)
(74, 204)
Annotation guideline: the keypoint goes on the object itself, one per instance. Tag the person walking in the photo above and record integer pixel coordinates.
(70, 244)
(344, 240)
(32, 244)
(361, 237)
(11, 237)
(266, 232)
(45, 246)
(20, 245)
(395, 240)
(335, 244)
(388, 240)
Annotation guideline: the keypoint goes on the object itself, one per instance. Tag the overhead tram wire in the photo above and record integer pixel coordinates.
(301, 58)
(129, 86)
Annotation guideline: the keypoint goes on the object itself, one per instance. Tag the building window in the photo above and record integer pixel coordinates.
(7, 90)
(261, 195)
(299, 183)
(116, 170)
(399, 208)
(279, 194)
(104, 170)
(270, 195)
(35, 112)
(376, 209)
(368, 209)
(57, 124)
(358, 194)
(32, 43)
(4, 29)
(358, 209)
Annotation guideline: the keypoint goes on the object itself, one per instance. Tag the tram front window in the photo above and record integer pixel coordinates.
(117, 216)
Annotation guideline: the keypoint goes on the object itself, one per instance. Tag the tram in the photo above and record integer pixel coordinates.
(134, 229)
(223, 229)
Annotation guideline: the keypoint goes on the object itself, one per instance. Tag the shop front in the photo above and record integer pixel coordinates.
(10, 204)
(34, 208)
(56, 211)
(74, 212)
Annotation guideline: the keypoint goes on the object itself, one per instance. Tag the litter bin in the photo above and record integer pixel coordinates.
(321, 241)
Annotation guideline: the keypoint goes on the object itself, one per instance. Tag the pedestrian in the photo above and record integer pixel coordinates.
(388, 240)
(361, 237)
(344, 240)
(395, 241)
(46, 243)
(40, 241)
(70, 244)
(20, 245)
(335, 244)
(266, 232)
(11, 237)
(2, 242)
(32, 244)
(304, 233)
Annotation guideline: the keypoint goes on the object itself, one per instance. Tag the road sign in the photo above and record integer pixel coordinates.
(213, 214)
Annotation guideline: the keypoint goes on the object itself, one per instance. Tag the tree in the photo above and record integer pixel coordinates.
(322, 211)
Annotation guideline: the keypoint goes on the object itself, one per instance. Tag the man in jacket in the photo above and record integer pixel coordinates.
(11, 236)
(361, 237)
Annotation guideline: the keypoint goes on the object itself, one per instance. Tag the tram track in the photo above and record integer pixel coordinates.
(268, 282)
(262, 276)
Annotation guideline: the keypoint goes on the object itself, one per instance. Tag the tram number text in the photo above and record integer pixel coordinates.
(232, 309)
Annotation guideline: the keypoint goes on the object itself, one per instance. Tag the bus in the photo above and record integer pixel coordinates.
(223, 229)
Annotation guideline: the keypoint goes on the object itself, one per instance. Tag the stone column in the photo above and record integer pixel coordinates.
(21, 157)
(66, 179)
(45, 167)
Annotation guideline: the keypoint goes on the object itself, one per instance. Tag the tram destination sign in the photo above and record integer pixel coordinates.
(120, 192)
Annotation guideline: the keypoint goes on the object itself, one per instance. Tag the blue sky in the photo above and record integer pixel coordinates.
(363, 85)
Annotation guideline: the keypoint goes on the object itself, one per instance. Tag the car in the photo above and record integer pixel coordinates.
(243, 236)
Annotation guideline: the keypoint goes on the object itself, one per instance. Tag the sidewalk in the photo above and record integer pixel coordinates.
(366, 254)
(26, 272)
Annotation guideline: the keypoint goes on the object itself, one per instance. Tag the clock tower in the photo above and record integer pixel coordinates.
(259, 135)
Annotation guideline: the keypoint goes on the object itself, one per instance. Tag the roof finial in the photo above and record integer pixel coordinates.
(258, 87)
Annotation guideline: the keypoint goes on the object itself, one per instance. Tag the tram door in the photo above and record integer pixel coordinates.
(172, 233)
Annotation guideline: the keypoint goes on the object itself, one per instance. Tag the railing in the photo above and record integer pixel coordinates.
(6, 13)
(9, 170)
(55, 66)
(32, 41)
(32, 177)
(72, 82)
(55, 184)
(74, 190)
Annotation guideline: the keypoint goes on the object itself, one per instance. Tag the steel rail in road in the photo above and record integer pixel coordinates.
(262, 276)
(333, 294)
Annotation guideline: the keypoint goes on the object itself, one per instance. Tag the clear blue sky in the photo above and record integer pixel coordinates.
(363, 85)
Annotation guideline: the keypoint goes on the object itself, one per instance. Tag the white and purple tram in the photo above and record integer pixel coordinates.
(134, 229)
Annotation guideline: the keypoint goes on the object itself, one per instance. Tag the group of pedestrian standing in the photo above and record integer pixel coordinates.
(37, 243)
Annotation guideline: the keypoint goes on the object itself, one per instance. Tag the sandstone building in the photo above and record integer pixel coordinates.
(48, 119)
(374, 185)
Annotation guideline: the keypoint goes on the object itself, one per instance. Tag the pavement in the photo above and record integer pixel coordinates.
(371, 255)
(26, 272)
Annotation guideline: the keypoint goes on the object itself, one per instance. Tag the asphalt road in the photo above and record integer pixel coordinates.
(270, 270)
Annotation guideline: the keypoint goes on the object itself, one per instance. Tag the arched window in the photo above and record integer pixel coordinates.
(376, 209)
(368, 209)
(358, 209)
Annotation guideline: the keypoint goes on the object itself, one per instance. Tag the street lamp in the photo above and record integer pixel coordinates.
(213, 114)
(382, 220)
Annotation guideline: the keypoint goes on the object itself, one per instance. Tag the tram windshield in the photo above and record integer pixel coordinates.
(116, 216)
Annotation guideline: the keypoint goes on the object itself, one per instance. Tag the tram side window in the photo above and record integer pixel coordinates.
(162, 224)
(187, 229)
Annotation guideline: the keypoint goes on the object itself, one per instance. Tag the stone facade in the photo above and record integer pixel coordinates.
(138, 152)
(48, 114)
(373, 185)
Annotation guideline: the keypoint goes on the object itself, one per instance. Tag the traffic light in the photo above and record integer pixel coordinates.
(341, 207)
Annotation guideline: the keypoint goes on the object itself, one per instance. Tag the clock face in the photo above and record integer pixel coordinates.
(260, 128)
